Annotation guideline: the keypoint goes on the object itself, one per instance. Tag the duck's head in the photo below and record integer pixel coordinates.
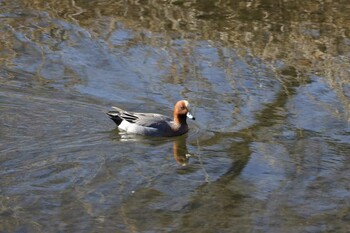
(182, 110)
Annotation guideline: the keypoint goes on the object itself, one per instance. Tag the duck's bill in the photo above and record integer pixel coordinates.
(189, 115)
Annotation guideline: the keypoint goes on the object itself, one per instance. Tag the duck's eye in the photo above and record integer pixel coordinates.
(182, 108)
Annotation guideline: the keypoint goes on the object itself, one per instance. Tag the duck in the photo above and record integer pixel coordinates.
(153, 124)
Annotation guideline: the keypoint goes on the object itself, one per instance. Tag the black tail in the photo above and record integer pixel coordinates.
(114, 115)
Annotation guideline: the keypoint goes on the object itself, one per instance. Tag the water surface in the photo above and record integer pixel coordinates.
(268, 84)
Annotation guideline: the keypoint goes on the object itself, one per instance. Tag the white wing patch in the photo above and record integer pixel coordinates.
(137, 129)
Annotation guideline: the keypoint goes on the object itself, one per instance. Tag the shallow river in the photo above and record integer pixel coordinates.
(268, 82)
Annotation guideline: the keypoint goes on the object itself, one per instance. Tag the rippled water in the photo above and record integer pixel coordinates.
(268, 84)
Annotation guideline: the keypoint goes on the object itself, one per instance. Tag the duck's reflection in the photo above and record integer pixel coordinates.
(181, 155)
(180, 152)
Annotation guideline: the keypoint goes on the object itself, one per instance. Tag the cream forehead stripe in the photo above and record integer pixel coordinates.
(187, 104)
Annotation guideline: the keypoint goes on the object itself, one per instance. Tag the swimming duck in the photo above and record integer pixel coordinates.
(153, 124)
